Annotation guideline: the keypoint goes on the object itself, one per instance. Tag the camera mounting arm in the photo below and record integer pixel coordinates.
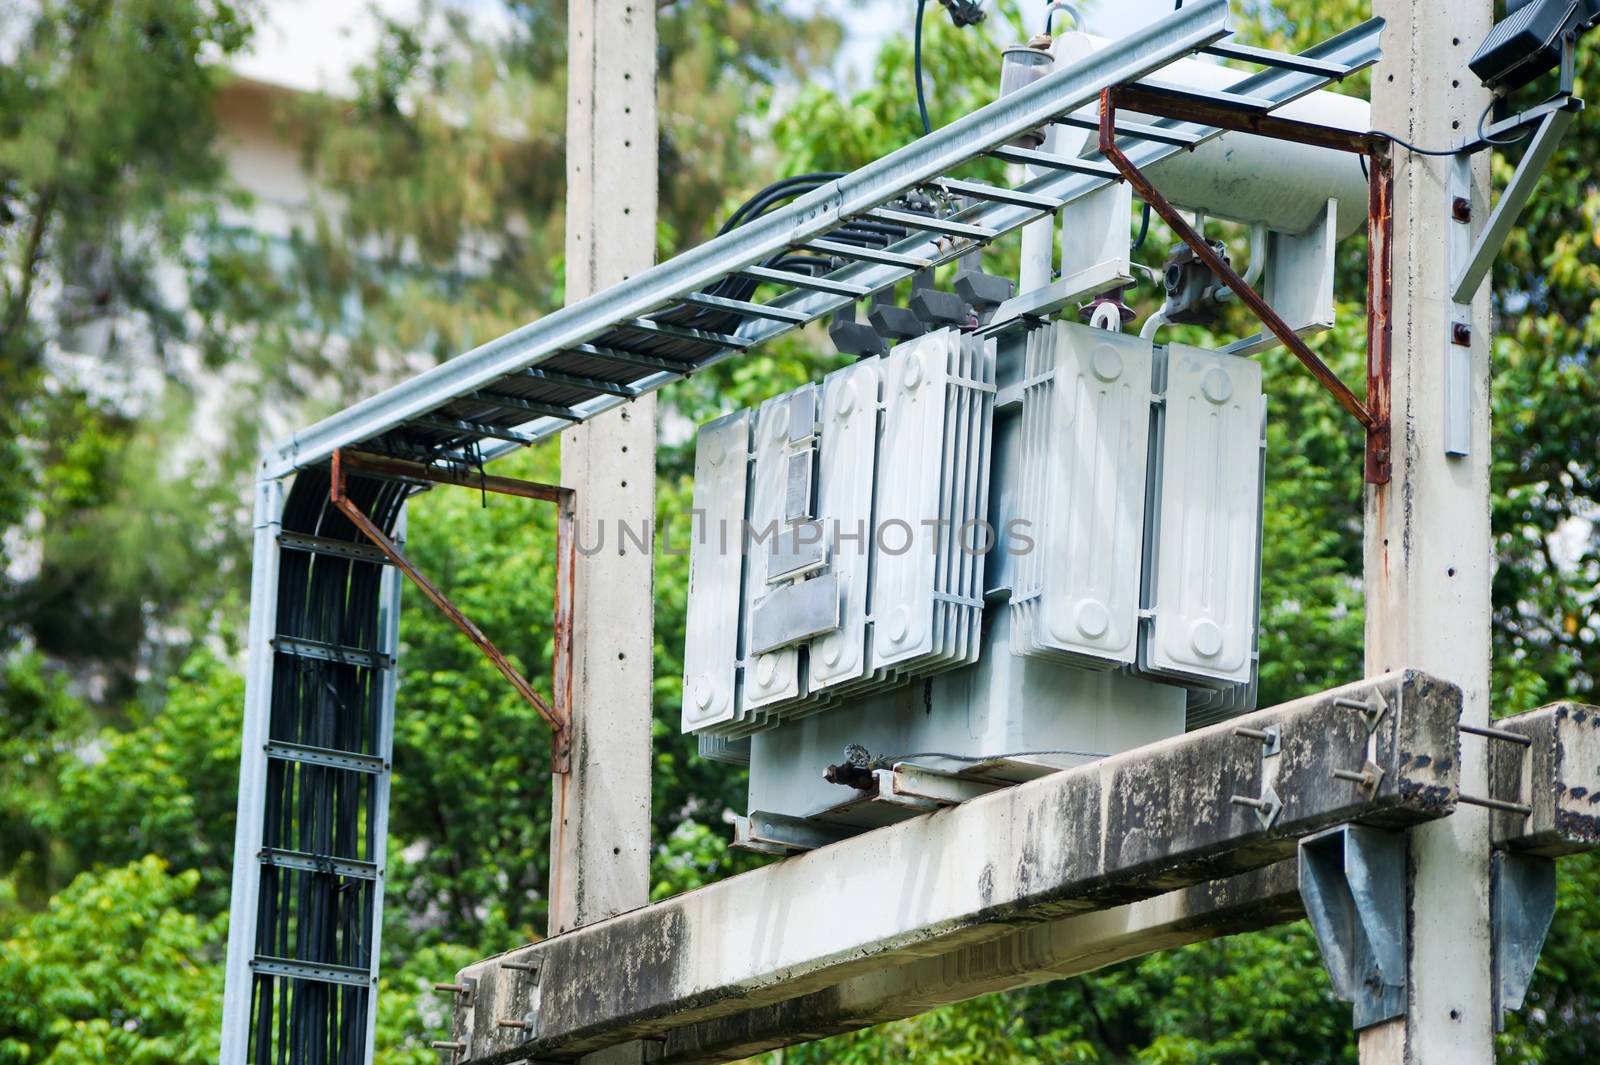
(1468, 258)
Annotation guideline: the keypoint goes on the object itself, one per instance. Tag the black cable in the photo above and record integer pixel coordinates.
(1408, 146)
(735, 286)
(800, 262)
(1144, 221)
(881, 228)
(1524, 135)
(761, 201)
(916, 63)
(316, 915)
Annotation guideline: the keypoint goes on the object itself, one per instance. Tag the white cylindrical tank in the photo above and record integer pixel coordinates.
(1241, 176)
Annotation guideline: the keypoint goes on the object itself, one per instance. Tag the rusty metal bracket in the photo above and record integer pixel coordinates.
(558, 716)
(1373, 414)
(1380, 308)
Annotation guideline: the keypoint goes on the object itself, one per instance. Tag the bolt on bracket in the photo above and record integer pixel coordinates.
(1353, 883)
(1371, 712)
(1267, 806)
(1366, 779)
(1271, 739)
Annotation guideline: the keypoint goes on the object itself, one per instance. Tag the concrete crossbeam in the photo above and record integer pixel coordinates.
(1127, 827)
(1124, 828)
(1557, 774)
(1054, 950)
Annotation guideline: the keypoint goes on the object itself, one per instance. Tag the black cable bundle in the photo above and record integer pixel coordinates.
(859, 232)
(322, 916)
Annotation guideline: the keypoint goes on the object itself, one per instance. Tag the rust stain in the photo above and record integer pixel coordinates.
(1380, 316)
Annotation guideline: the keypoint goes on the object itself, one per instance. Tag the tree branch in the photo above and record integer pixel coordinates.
(17, 308)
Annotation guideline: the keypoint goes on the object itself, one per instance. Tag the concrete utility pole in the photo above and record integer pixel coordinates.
(1427, 531)
(601, 818)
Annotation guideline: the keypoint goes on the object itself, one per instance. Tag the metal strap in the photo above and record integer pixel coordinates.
(318, 972)
(321, 545)
(354, 761)
(331, 652)
(319, 863)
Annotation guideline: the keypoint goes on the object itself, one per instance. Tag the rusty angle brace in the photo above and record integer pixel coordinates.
(1373, 414)
(556, 717)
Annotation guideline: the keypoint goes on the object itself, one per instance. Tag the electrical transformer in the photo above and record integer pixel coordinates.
(1013, 543)
(989, 556)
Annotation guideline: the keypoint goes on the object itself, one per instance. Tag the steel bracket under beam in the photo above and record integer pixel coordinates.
(1131, 825)
(1353, 884)
(1467, 261)
(1522, 903)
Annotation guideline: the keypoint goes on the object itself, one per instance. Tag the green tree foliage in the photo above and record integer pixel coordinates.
(168, 785)
(113, 970)
(42, 720)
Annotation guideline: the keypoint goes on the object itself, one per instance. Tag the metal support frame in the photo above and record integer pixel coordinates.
(625, 342)
(1469, 272)
(1353, 884)
(558, 716)
(1373, 414)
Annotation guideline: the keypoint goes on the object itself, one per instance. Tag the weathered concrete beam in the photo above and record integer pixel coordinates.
(1557, 774)
(1127, 827)
(1258, 899)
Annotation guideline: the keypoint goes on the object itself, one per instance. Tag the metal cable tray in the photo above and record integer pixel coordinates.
(666, 323)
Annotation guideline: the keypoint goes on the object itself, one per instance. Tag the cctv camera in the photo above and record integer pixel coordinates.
(1530, 39)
